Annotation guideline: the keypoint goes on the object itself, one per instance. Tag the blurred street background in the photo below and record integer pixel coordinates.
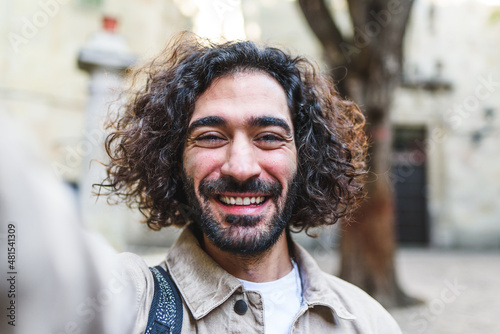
(63, 61)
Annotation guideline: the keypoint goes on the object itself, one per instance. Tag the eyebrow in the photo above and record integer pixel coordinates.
(264, 121)
(206, 121)
(261, 121)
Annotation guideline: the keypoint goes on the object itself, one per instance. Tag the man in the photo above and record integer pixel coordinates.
(243, 145)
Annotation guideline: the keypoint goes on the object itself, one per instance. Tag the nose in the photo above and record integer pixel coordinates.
(241, 160)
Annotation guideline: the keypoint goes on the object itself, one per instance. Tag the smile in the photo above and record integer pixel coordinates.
(242, 201)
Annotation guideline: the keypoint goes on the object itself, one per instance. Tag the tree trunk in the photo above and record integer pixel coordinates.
(373, 59)
(368, 241)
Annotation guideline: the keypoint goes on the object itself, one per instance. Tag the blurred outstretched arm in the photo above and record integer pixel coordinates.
(63, 279)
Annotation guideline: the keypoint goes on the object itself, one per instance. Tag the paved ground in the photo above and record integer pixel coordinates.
(461, 290)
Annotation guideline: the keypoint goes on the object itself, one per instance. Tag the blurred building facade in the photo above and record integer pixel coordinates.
(450, 100)
(446, 115)
(43, 89)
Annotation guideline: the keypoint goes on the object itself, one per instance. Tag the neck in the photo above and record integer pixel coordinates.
(264, 267)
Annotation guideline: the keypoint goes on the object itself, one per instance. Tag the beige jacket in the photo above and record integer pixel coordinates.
(209, 294)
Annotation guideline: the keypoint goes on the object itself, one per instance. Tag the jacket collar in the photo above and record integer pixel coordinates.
(204, 285)
(316, 285)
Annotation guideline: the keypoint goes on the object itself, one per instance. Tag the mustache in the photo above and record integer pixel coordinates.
(210, 188)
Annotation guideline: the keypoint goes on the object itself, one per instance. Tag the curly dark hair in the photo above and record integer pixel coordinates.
(146, 142)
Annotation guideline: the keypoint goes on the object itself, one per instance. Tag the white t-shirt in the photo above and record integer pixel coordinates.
(282, 300)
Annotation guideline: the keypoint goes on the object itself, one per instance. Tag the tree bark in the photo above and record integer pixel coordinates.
(373, 57)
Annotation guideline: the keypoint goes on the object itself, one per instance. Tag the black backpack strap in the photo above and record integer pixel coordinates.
(165, 315)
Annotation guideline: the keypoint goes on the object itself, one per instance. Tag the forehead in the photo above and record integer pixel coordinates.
(240, 96)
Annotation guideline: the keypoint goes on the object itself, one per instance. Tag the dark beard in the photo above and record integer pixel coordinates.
(230, 239)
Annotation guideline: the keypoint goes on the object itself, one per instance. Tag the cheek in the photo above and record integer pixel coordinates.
(200, 164)
(280, 166)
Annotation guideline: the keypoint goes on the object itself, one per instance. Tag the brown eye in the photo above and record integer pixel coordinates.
(210, 140)
(269, 141)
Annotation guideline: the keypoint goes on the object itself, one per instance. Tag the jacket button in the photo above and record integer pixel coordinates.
(241, 307)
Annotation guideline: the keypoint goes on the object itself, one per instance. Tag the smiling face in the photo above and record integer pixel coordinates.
(240, 162)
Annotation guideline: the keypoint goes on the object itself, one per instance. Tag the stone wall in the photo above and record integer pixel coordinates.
(40, 83)
(457, 42)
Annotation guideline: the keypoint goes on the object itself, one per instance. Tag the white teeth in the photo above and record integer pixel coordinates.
(241, 200)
